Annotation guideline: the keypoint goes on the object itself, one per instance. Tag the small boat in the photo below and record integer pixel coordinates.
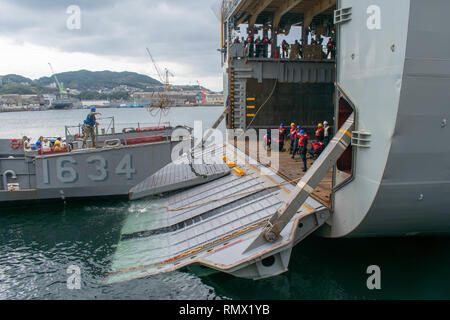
(119, 162)
(131, 106)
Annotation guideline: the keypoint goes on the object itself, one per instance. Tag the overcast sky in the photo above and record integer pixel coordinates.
(183, 35)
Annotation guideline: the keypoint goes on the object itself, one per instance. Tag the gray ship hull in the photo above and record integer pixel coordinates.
(62, 104)
(86, 173)
(396, 78)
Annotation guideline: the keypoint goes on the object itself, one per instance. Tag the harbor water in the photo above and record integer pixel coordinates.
(39, 243)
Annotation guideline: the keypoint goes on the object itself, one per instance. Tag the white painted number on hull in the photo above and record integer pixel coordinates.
(125, 167)
(66, 174)
(101, 168)
(66, 169)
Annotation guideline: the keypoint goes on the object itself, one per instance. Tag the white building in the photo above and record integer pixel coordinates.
(214, 98)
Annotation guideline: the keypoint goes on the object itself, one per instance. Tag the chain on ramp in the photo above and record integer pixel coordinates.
(211, 130)
(202, 142)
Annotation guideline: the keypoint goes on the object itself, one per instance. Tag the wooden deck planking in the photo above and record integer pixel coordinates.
(291, 169)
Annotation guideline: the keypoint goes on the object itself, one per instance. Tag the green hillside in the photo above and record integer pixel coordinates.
(84, 80)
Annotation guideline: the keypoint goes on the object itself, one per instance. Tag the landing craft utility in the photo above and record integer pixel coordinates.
(384, 80)
(50, 171)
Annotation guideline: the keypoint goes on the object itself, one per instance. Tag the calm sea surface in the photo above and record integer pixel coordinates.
(38, 243)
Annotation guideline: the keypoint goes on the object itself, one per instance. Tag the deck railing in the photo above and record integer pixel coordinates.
(109, 126)
(228, 6)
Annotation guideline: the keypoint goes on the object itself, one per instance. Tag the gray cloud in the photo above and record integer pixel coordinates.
(181, 31)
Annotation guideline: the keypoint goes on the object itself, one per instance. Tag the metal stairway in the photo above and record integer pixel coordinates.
(238, 102)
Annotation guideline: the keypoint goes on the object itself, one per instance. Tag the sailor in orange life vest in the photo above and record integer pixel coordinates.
(292, 137)
(303, 145)
(317, 148)
(297, 137)
(320, 132)
(281, 137)
(268, 142)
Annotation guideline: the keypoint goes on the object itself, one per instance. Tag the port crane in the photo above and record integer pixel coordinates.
(60, 86)
(167, 85)
(163, 76)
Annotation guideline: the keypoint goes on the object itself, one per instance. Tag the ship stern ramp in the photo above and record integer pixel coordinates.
(214, 224)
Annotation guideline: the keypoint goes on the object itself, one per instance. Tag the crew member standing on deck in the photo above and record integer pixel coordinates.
(37, 146)
(266, 43)
(89, 127)
(268, 142)
(292, 137)
(46, 145)
(326, 133)
(284, 49)
(258, 48)
(250, 46)
(57, 146)
(281, 136)
(329, 48)
(301, 48)
(40, 140)
(320, 132)
(303, 145)
(298, 135)
(26, 142)
(295, 51)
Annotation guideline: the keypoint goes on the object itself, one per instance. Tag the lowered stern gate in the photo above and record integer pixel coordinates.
(243, 220)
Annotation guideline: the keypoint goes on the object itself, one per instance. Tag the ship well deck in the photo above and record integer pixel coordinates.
(290, 169)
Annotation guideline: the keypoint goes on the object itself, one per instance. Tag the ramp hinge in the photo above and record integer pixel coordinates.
(342, 15)
(361, 139)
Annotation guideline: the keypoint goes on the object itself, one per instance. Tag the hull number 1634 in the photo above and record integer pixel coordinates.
(66, 170)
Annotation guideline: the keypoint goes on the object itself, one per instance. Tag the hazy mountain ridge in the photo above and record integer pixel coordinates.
(82, 80)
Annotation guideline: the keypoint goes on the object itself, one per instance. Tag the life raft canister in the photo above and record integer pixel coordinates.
(15, 143)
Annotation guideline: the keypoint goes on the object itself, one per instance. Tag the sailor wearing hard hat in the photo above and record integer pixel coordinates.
(89, 127)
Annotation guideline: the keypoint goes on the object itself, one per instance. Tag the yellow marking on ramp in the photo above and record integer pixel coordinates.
(346, 132)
